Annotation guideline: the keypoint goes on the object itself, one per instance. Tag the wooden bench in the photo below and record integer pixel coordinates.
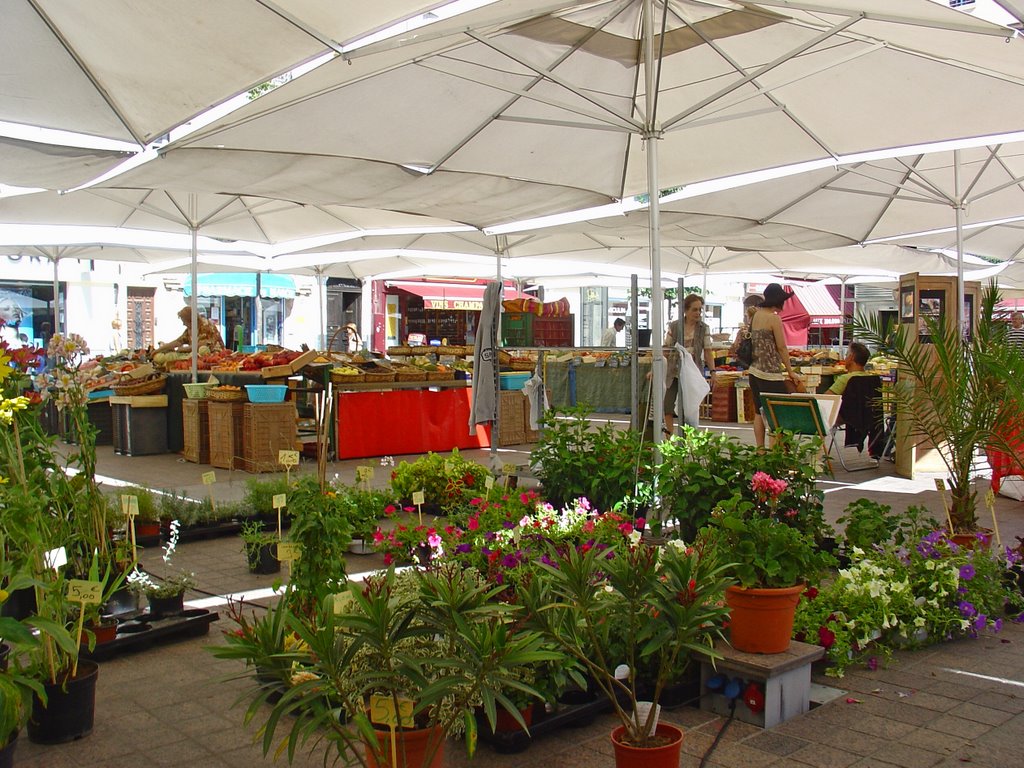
(783, 678)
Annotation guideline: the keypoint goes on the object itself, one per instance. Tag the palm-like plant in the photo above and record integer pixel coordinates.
(957, 394)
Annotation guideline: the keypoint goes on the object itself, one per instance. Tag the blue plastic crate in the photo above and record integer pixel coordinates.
(514, 380)
(266, 393)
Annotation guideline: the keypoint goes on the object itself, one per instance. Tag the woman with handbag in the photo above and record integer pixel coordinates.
(770, 369)
(740, 350)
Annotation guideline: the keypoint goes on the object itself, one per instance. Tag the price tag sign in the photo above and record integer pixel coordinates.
(209, 478)
(382, 711)
(418, 498)
(87, 592)
(488, 482)
(287, 551)
(364, 474)
(130, 505)
(288, 458)
(509, 469)
(940, 484)
(990, 498)
(279, 501)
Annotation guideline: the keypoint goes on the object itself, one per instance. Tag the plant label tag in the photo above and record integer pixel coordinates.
(279, 501)
(418, 498)
(55, 558)
(341, 602)
(288, 458)
(288, 551)
(130, 505)
(364, 474)
(488, 482)
(940, 484)
(509, 469)
(382, 711)
(990, 498)
(85, 592)
(209, 478)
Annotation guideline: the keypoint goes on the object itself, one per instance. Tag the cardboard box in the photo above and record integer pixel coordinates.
(296, 365)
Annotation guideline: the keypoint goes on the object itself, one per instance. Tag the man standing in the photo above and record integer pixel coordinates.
(608, 337)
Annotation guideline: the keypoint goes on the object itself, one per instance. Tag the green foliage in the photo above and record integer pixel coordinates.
(320, 526)
(575, 459)
(869, 524)
(447, 481)
(259, 494)
(365, 507)
(254, 537)
(642, 605)
(702, 469)
(958, 396)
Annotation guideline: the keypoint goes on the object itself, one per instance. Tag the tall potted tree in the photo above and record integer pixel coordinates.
(959, 395)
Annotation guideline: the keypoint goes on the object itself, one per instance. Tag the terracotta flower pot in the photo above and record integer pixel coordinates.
(411, 749)
(761, 620)
(981, 539)
(663, 756)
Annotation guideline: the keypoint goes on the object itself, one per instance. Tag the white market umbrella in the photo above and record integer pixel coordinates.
(37, 164)
(517, 116)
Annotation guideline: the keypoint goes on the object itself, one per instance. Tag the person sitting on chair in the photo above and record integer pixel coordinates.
(860, 414)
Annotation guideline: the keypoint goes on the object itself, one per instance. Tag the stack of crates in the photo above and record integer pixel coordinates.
(521, 329)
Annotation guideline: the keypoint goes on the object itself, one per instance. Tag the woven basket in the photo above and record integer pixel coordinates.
(226, 395)
(151, 386)
(522, 364)
(348, 378)
(400, 351)
(440, 375)
(376, 378)
(415, 375)
(196, 391)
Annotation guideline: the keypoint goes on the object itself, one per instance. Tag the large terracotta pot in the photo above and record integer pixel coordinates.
(761, 620)
(982, 539)
(411, 749)
(666, 756)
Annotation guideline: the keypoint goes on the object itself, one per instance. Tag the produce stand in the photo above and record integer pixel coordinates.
(140, 424)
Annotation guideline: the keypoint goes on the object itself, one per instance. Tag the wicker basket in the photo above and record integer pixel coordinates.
(522, 364)
(378, 378)
(226, 395)
(410, 375)
(440, 375)
(400, 351)
(197, 390)
(150, 386)
(348, 378)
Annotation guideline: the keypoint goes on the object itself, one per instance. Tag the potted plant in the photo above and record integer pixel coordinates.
(957, 395)
(448, 482)
(166, 596)
(615, 610)
(365, 509)
(772, 561)
(260, 548)
(420, 650)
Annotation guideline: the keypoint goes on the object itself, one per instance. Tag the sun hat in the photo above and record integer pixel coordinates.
(775, 295)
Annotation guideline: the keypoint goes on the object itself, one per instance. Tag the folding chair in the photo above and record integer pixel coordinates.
(801, 414)
(860, 416)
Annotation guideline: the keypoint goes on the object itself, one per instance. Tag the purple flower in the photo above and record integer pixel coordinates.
(546, 560)
(485, 551)
(508, 524)
(509, 561)
(967, 572)
(966, 609)
(873, 663)
(1019, 618)
(980, 621)
(464, 548)
(962, 590)
(1012, 556)
(997, 625)
(934, 537)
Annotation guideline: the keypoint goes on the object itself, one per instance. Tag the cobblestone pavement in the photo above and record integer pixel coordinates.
(172, 705)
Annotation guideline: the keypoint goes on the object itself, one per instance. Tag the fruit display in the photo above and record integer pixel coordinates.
(225, 360)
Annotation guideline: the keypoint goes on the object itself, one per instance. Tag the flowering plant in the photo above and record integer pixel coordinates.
(447, 482)
(898, 596)
(168, 586)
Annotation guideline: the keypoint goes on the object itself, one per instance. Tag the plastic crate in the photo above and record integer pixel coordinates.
(267, 429)
(553, 331)
(514, 381)
(195, 428)
(266, 393)
(517, 329)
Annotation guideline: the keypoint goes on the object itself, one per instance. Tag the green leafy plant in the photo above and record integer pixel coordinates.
(448, 482)
(870, 524)
(434, 638)
(171, 584)
(254, 538)
(955, 395)
(637, 605)
(321, 529)
(573, 459)
(260, 493)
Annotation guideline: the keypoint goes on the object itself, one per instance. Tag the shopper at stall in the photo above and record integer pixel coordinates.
(209, 336)
(770, 368)
(610, 333)
(1015, 336)
(695, 337)
(750, 305)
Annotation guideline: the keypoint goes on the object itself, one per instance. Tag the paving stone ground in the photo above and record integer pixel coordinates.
(949, 705)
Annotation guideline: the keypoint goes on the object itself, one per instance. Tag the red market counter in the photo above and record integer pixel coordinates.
(402, 421)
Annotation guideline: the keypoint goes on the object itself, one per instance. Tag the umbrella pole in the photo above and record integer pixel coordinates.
(193, 229)
(959, 210)
(56, 298)
(635, 421)
(650, 136)
(321, 288)
(842, 310)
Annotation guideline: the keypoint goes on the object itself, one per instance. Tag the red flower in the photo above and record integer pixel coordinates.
(388, 559)
(826, 637)
(626, 528)
(474, 523)
(811, 592)
(390, 509)
(468, 479)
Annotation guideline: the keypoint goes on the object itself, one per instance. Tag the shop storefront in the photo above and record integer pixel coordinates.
(248, 308)
(26, 312)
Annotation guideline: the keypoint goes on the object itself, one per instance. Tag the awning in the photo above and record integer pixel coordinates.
(440, 296)
(271, 285)
(811, 306)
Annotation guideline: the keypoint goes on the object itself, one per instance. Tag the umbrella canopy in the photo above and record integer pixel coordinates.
(559, 101)
(52, 166)
(125, 70)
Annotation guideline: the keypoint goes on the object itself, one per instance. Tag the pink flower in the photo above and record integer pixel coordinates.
(434, 541)
(474, 523)
(765, 484)
(378, 537)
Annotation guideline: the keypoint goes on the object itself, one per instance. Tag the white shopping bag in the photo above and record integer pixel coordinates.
(695, 387)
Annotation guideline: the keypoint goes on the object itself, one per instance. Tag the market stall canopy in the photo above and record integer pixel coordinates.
(53, 166)
(552, 103)
(269, 286)
(811, 306)
(132, 70)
